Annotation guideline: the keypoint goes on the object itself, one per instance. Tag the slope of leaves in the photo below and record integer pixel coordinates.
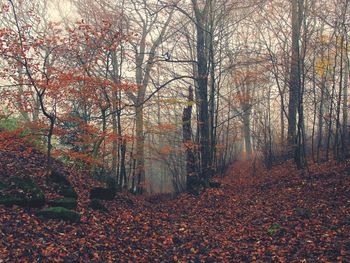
(276, 216)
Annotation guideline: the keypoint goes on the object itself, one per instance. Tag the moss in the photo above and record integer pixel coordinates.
(59, 178)
(25, 184)
(23, 192)
(102, 193)
(96, 205)
(8, 200)
(68, 191)
(59, 213)
(62, 184)
(69, 203)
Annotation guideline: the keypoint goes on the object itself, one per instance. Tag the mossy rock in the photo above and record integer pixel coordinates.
(22, 192)
(9, 201)
(25, 183)
(60, 213)
(102, 193)
(213, 184)
(68, 191)
(111, 182)
(67, 202)
(95, 204)
(59, 178)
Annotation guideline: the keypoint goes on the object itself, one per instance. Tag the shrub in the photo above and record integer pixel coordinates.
(9, 124)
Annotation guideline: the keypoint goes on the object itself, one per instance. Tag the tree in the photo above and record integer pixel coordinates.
(295, 128)
(37, 59)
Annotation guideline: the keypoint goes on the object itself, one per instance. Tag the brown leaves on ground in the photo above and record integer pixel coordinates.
(276, 216)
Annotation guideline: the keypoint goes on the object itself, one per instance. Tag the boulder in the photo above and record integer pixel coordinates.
(102, 193)
(22, 192)
(213, 184)
(67, 202)
(59, 213)
(59, 178)
(95, 204)
(68, 191)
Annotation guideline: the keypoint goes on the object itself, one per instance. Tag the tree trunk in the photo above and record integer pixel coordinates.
(294, 81)
(202, 66)
(140, 152)
(345, 103)
(246, 131)
(191, 176)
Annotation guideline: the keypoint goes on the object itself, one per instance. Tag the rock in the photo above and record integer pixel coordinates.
(22, 192)
(63, 186)
(96, 205)
(111, 182)
(9, 201)
(59, 178)
(68, 191)
(102, 193)
(60, 213)
(67, 202)
(214, 185)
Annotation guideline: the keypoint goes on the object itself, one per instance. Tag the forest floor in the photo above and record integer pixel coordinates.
(272, 216)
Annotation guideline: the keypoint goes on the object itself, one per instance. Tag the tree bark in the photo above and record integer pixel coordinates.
(191, 176)
(294, 81)
(202, 66)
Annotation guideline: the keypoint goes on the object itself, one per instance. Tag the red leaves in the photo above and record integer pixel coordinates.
(279, 217)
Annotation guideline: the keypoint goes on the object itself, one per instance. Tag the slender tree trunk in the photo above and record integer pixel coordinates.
(191, 175)
(330, 122)
(315, 110)
(338, 148)
(202, 65)
(140, 151)
(345, 103)
(115, 141)
(294, 81)
(49, 142)
(247, 130)
(320, 135)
